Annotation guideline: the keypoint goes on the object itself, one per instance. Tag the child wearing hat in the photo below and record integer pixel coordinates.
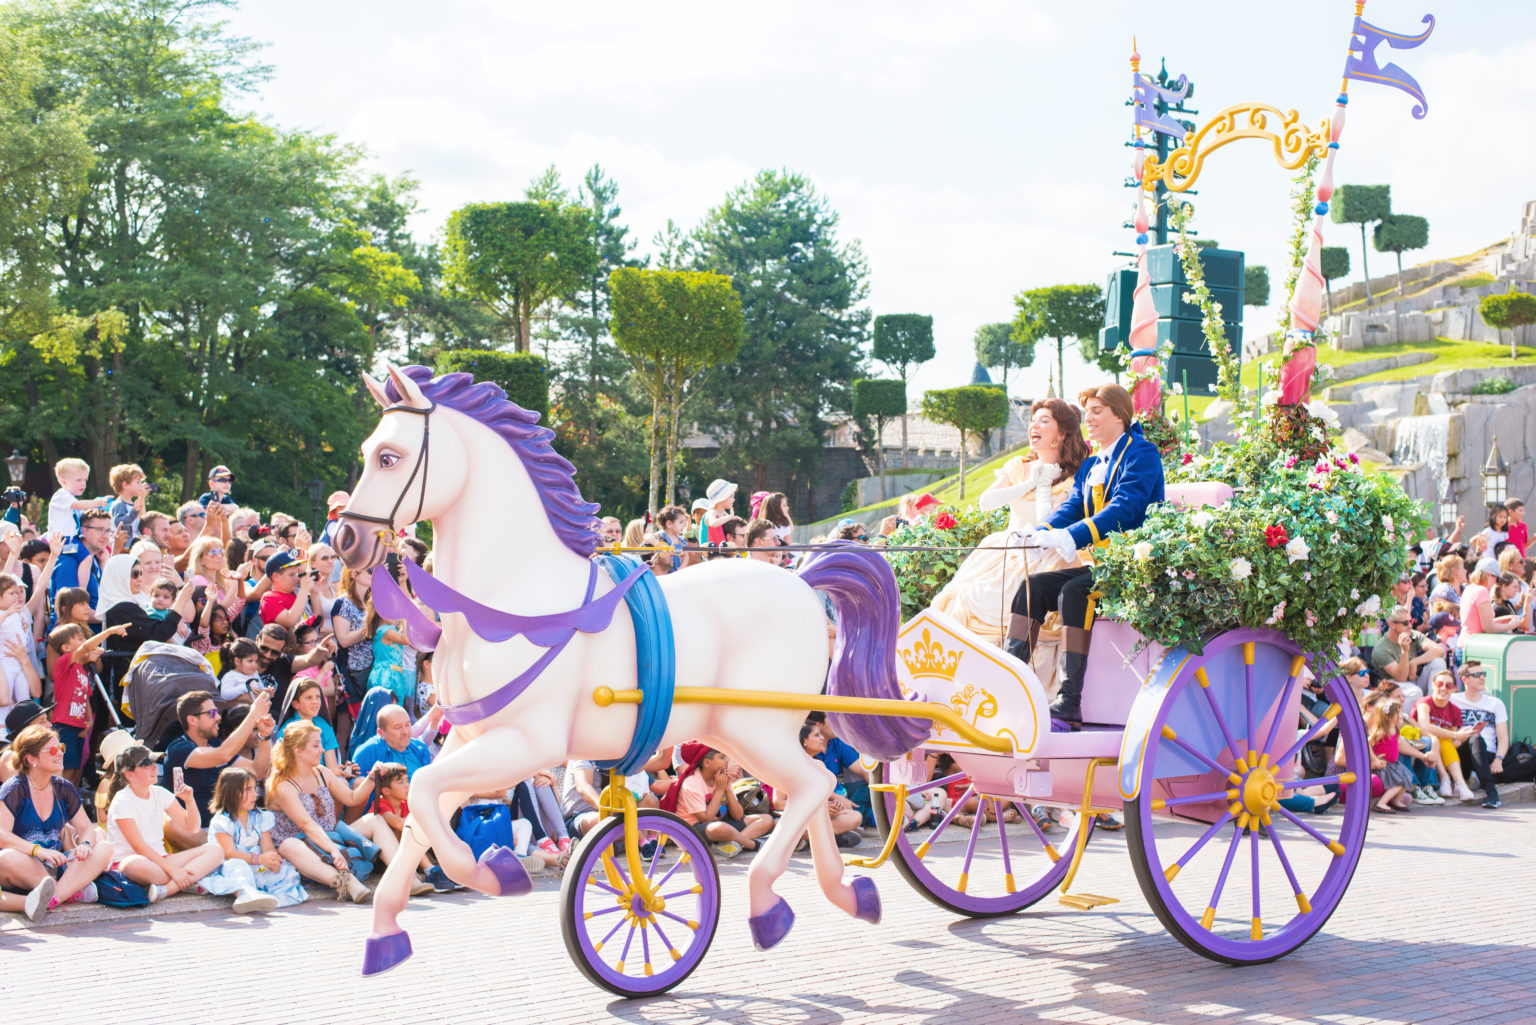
(721, 496)
(220, 481)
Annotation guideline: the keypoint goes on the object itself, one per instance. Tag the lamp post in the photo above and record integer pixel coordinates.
(1495, 477)
(16, 466)
(1448, 510)
(314, 500)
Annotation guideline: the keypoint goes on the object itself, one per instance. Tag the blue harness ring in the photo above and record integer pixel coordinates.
(655, 662)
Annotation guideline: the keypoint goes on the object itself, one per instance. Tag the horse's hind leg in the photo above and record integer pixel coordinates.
(785, 766)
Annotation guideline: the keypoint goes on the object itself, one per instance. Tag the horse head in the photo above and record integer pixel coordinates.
(403, 472)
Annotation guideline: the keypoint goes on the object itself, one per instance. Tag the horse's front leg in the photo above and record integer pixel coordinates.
(492, 761)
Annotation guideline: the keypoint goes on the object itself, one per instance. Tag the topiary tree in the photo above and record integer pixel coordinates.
(903, 340)
(999, 348)
(1362, 205)
(1060, 312)
(1256, 286)
(1511, 310)
(972, 409)
(880, 401)
(515, 257)
(524, 376)
(672, 325)
(1398, 233)
(1335, 264)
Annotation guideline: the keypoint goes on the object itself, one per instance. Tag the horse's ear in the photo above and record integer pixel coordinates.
(376, 390)
(408, 389)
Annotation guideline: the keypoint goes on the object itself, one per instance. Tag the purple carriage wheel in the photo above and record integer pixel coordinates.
(618, 941)
(1230, 870)
(987, 869)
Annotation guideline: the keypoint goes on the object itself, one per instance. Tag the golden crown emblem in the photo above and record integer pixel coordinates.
(928, 658)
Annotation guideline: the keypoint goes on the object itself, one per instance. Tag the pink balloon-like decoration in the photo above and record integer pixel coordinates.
(1146, 393)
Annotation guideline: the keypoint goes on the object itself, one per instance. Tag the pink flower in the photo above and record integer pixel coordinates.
(1354, 458)
(1274, 617)
(1311, 618)
(1189, 574)
(1187, 459)
(1291, 462)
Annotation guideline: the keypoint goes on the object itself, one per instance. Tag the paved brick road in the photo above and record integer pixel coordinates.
(1424, 935)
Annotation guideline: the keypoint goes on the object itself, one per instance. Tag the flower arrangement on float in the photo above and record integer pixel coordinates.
(922, 575)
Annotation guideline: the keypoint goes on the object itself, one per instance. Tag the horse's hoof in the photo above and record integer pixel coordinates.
(381, 953)
(508, 869)
(866, 897)
(770, 927)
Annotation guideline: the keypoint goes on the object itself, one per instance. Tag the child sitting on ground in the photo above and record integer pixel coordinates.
(393, 804)
(136, 814)
(259, 877)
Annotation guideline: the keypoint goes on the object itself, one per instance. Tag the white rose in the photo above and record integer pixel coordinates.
(1319, 410)
(1241, 568)
(1142, 550)
(1386, 521)
(1202, 519)
(1370, 607)
(1297, 549)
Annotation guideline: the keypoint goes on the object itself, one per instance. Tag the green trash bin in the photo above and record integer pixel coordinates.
(1510, 660)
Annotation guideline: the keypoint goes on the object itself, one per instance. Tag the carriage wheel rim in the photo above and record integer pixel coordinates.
(1012, 849)
(1247, 853)
(623, 936)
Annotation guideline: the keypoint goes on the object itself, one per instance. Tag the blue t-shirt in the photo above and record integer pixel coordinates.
(373, 751)
(66, 572)
(327, 735)
(838, 756)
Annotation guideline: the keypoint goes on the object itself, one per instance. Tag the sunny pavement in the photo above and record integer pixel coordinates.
(1437, 927)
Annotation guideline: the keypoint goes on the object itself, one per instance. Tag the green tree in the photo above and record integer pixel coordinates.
(1398, 233)
(880, 401)
(802, 292)
(524, 376)
(998, 349)
(515, 257)
(1256, 285)
(1362, 205)
(972, 410)
(1335, 264)
(672, 325)
(1512, 310)
(903, 340)
(1061, 312)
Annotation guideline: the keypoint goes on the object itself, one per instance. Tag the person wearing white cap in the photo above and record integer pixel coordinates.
(1477, 603)
(721, 495)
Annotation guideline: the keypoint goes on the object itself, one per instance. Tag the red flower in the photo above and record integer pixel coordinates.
(1274, 536)
(945, 521)
(1187, 459)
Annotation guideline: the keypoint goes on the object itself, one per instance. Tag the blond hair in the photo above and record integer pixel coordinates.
(124, 474)
(70, 466)
(285, 753)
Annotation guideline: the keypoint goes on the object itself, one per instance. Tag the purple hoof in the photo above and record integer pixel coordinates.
(508, 869)
(381, 953)
(772, 925)
(866, 900)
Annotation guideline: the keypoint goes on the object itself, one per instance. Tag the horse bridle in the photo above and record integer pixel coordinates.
(423, 462)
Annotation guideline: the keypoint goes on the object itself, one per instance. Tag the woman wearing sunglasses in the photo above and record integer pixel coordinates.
(37, 806)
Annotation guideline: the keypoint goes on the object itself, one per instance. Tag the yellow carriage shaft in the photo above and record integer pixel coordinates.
(1293, 142)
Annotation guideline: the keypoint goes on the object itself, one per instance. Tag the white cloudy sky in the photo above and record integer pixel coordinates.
(974, 147)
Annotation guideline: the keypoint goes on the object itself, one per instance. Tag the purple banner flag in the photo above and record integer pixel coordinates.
(1362, 64)
(1145, 93)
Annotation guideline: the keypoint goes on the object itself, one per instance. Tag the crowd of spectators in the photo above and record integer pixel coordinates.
(285, 769)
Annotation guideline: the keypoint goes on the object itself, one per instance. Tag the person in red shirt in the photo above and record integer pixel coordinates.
(70, 651)
(1519, 535)
(288, 600)
(1440, 719)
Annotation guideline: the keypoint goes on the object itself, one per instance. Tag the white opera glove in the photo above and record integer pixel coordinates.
(1044, 474)
(996, 497)
(1057, 540)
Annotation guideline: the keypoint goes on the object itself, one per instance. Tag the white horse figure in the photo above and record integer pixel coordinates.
(513, 534)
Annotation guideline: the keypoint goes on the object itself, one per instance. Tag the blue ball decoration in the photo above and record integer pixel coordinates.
(1141, 239)
(1333, 145)
(1343, 99)
(1320, 209)
(266, 220)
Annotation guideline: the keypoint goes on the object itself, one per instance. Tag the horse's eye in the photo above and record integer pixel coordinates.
(387, 460)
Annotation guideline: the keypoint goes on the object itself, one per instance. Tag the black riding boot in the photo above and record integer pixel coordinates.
(1022, 634)
(1068, 706)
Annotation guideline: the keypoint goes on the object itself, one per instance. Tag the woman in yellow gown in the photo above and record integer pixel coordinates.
(1032, 486)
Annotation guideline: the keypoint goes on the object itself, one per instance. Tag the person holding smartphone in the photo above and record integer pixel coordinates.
(136, 814)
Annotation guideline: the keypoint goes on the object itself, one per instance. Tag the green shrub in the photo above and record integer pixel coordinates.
(851, 495)
(1494, 386)
(524, 376)
(921, 575)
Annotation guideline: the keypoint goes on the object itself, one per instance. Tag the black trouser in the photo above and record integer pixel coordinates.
(1475, 753)
(525, 807)
(1063, 590)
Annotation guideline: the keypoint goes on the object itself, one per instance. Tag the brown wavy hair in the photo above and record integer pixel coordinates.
(1074, 450)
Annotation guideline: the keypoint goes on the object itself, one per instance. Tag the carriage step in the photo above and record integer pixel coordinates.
(1085, 901)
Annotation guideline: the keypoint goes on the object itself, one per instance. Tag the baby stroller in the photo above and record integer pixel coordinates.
(157, 678)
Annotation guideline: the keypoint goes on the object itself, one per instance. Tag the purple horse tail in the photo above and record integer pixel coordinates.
(866, 599)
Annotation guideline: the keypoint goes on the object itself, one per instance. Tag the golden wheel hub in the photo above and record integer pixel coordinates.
(1260, 791)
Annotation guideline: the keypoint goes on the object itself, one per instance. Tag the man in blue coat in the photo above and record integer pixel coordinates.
(1110, 492)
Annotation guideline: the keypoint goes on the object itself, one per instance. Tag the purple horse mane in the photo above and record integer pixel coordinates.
(570, 515)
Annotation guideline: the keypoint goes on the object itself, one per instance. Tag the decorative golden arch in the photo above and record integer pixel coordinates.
(1294, 143)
